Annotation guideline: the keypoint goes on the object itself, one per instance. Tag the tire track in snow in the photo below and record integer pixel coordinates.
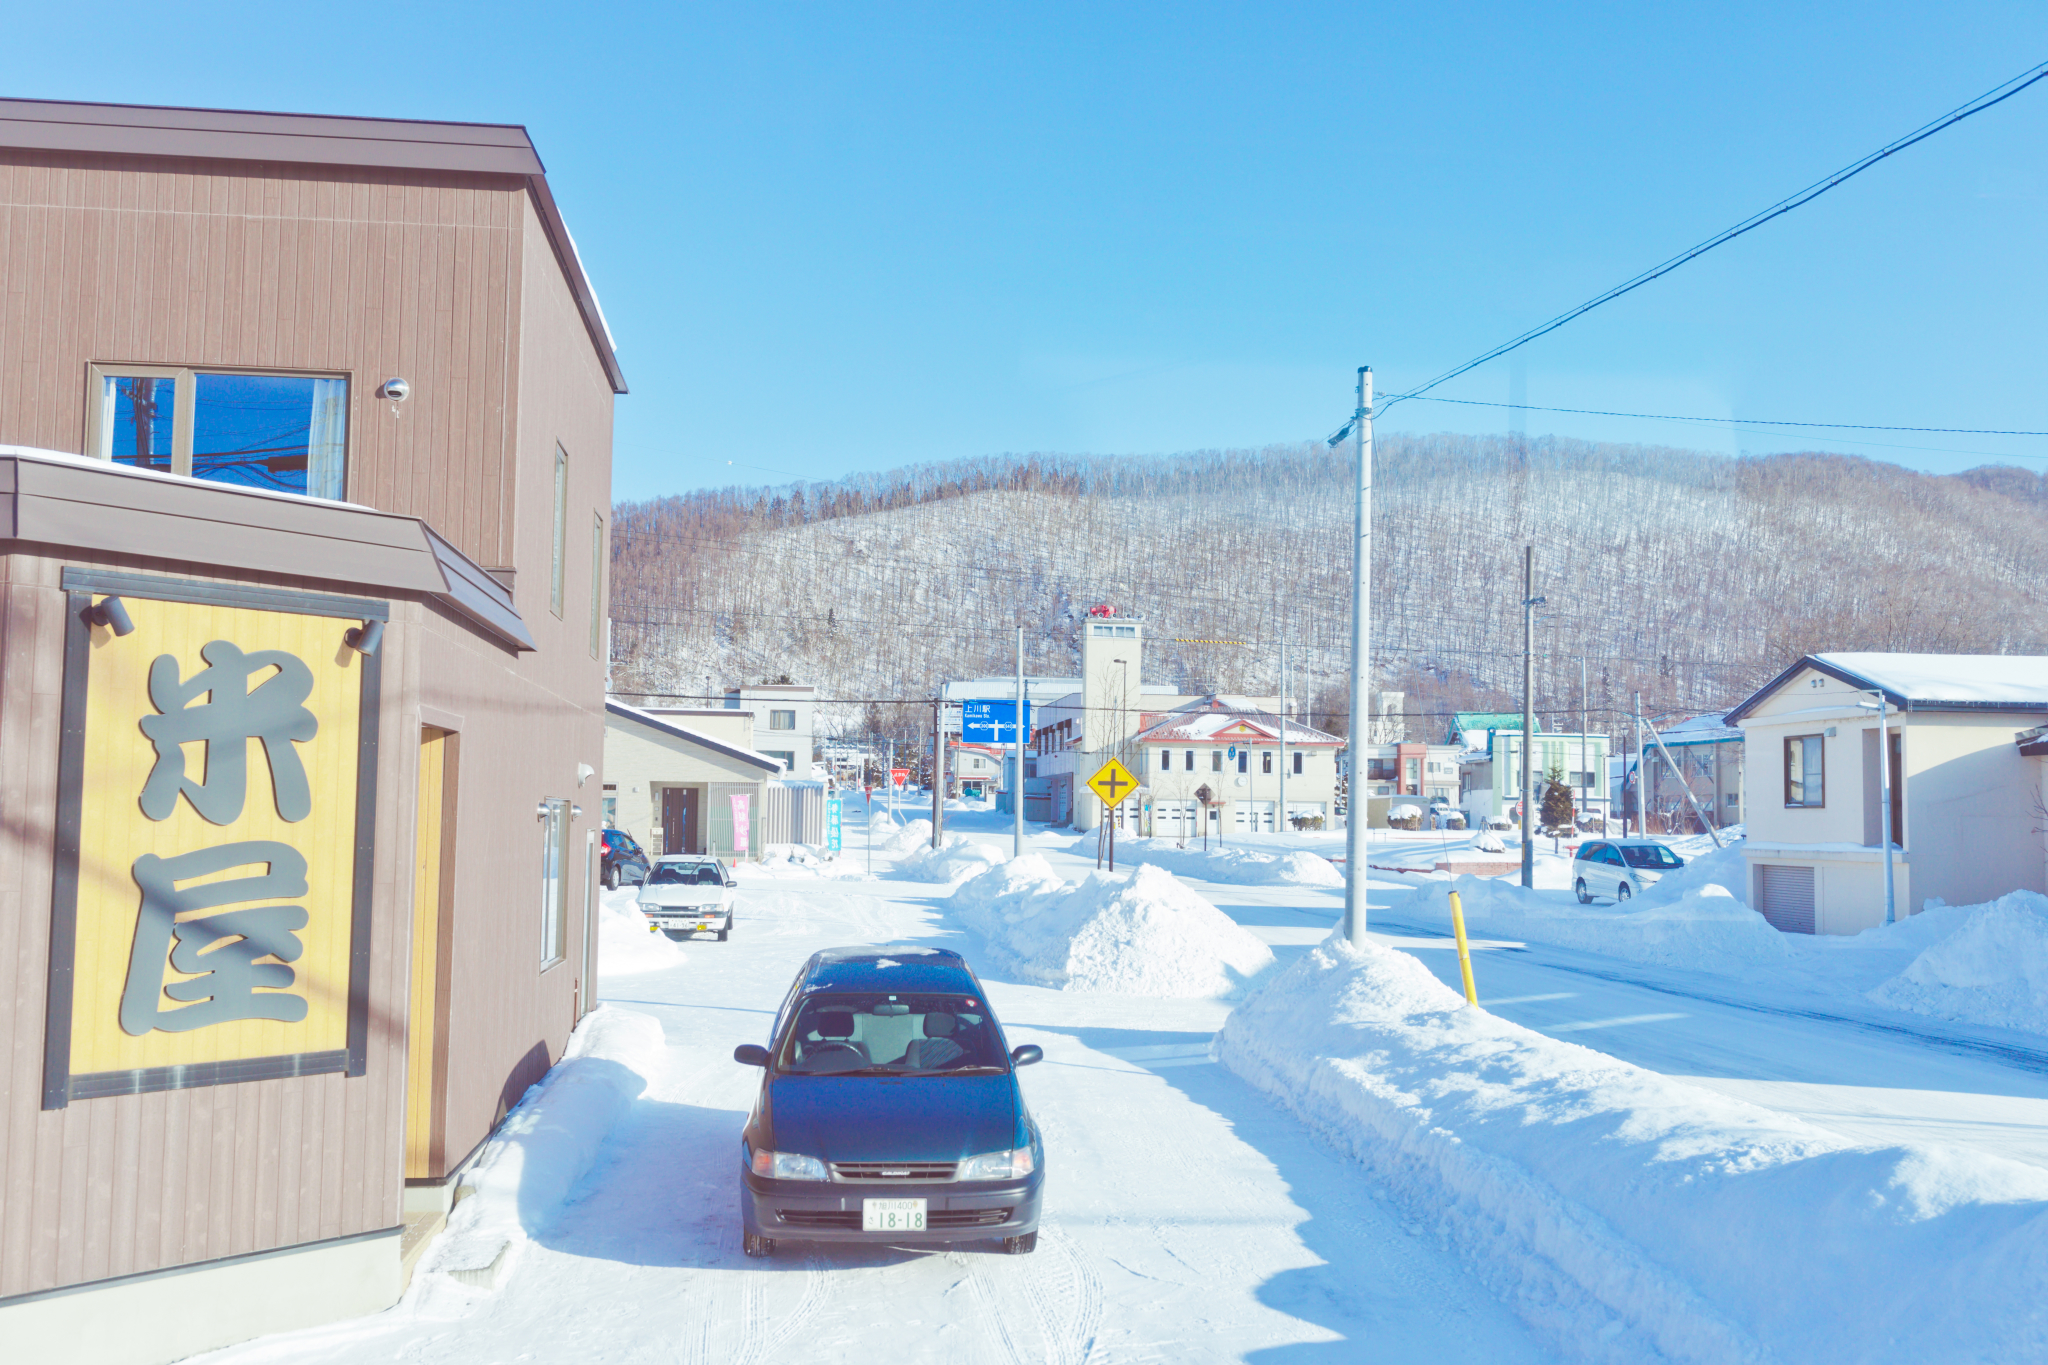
(1068, 1299)
(992, 1311)
(758, 1344)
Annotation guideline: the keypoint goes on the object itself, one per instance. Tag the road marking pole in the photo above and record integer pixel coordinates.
(1464, 948)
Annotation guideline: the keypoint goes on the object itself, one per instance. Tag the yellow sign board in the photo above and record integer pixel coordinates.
(213, 846)
(1113, 783)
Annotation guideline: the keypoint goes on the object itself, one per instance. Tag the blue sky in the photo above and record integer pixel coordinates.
(836, 237)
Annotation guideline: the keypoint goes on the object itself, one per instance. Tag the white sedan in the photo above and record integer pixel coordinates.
(688, 893)
(1620, 867)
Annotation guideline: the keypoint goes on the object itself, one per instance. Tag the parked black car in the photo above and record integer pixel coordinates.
(889, 1111)
(623, 860)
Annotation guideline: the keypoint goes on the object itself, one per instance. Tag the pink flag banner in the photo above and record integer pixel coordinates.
(741, 841)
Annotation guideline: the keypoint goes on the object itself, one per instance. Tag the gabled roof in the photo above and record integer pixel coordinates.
(1927, 682)
(316, 140)
(683, 732)
(1464, 722)
(1712, 728)
(1214, 721)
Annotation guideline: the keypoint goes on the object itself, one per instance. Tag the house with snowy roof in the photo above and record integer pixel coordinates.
(1230, 747)
(1706, 753)
(1966, 793)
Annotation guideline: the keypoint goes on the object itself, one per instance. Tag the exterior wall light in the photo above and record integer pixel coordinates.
(365, 638)
(111, 613)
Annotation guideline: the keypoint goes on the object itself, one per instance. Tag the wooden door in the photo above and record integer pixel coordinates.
(681, 821)
(426, 1050)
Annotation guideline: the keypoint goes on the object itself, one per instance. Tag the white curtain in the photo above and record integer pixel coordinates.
(327, 440)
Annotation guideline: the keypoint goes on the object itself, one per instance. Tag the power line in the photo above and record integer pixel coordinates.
(1732, 421)
(1998, 94)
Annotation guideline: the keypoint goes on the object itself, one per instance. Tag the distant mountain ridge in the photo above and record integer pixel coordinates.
(1688, 576)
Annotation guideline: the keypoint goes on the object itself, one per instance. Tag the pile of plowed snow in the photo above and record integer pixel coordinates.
(1236, 866)
(955, 859)
(1129, 933)
(1701, 926)
(625, 944)
(1990, 968)
(1631, 1216)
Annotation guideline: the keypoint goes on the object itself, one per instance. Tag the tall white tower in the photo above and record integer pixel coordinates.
(1112, 654)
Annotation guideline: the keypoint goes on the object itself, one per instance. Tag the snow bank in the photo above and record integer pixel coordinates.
(1236, 866)
(537, 1157)
(902, 839)
(1128, 933)
(1703, 928)
(1628, 1216)
(780, 862)
(1986, 964)
(624, 945)
(955, 859)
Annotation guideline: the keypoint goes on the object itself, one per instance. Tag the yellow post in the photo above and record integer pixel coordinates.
(1464, 949)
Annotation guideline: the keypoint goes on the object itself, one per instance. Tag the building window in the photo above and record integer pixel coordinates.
(782, 720)
(284, 432)
(1190, 763)
(1244, 760)
(1215, 760)
(1379, 769)
(1266, 761)
(1803, 771)
(596, 584)
(1166, 760)
(1297, 762)
(554, 881)
(561, 530)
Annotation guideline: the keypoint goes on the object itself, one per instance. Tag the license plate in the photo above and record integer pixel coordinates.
(892, 1215)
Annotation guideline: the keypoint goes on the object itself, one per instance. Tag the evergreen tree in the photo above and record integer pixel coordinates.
(1557, 810)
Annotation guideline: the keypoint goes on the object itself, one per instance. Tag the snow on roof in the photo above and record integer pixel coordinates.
(1711, 728)
(2019, 680)
(668, 726)
(1212, 718)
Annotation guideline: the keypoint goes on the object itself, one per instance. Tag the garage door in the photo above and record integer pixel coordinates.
(1252, 817)
(1174, 819)
(1785, 896)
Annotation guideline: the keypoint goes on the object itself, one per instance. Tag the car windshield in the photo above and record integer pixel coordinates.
(893, 1035)
(1650, 855)
(685, 874)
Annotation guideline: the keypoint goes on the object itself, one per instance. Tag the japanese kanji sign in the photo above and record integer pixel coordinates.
(211, 891)
(1112, 782)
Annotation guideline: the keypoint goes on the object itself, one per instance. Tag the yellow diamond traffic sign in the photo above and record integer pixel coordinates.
(1113, 782)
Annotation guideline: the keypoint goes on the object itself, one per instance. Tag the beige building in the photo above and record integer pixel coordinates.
(1233, 750)
(1964, 796)
(676, 787)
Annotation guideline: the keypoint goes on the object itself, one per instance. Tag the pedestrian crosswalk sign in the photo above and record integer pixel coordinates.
(1113, 783)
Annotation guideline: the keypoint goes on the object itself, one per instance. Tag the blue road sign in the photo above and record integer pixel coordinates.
(992, 722)
(833, 806)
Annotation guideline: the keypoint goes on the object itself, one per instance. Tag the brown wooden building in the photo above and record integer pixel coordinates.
(305, 462)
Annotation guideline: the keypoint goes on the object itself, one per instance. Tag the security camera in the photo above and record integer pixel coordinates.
(397, 390)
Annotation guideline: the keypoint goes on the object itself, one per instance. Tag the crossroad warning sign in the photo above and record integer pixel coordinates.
(1113, 782)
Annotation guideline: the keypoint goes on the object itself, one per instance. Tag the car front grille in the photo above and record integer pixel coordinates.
(935, 1218)
(886, 1172)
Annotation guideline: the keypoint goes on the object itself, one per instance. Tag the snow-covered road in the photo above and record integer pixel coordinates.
(1187, 1218)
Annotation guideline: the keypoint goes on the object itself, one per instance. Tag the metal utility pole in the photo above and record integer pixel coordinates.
(1356, 804)
(1281, 823)
(1642, 791)
(1017, 778)
(1529, 604)
(938, 772)
(1585, 762)
(1884, 797)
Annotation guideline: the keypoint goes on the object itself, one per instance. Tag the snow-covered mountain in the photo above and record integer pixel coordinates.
(1688, 576)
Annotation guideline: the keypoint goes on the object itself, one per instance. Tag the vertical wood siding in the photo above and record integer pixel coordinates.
(378, 274)
(133, 1183)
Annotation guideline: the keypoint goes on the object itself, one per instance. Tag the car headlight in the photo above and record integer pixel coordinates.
(997, 1165)
(787, 1166)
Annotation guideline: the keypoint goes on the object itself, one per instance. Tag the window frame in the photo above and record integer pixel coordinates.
(555, 822)
(185, 412)
(559, 567)
(1297, 763)
(597, 557)
(775, 717)
(1818, 768)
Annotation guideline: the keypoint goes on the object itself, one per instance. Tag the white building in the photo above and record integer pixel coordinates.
(1231, 750)
(1965, 791)
(784, 722)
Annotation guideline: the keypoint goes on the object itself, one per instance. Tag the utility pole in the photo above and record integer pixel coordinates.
(1017, 790)
(1642, 792)
(938, 772)
(1361, 664)
(1585, 762)
(1884, 796)
(1281, 823)
(1530, 601)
